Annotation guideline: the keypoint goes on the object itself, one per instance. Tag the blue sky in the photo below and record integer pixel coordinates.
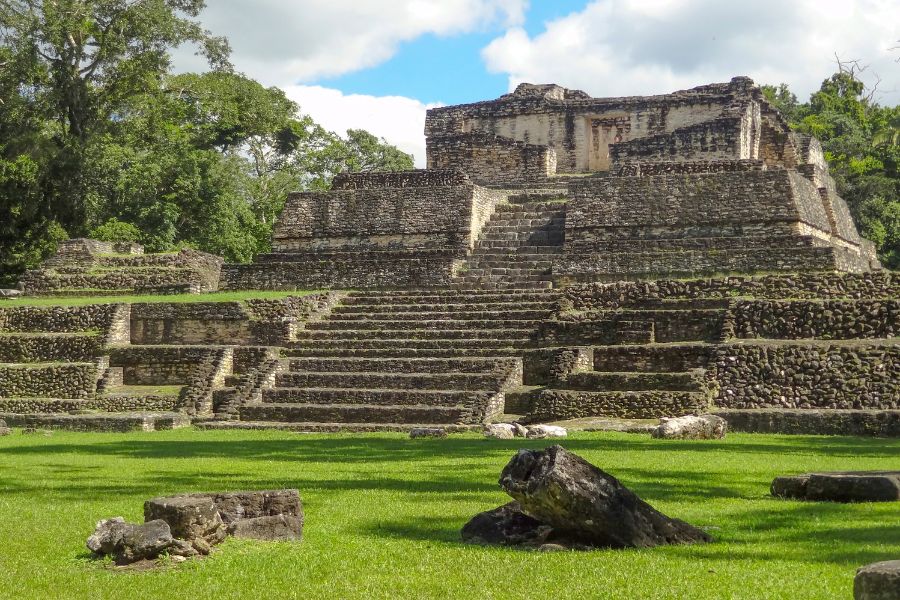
(432, 68)
(380, 64)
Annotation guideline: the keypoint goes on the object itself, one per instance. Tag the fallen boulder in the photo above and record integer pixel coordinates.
(500, 431)
(562, 500)
(4, 430)
(191, 524)
(846, 486)
(539, 432)
(427, 432)
(130, 542)
(691, 427)
(878, 581)
(8, 294)
(193, 518)
(506, 525)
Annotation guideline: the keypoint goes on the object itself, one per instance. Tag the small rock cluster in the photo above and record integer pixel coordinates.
(561, 502)
(848, 486)
(691, 427)
(508, 431)
(190, 525)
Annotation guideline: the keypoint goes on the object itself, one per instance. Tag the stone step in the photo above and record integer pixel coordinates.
(677, 304)
(461, 315)
(524, 224)
(519, 247)
(49, 347)
(109, 421)
(507, 271)
(479, 261)
(405, 381)
(596, 381)
(556, 404)
(376, 396)
(399, 365)
(333, 427)
(402, 352)
(442, 308)
(499, 284)
(413, 334)
(353, 413)
(532, 237)
(414, 325)
(385, 344)
(446, 295)
(531, 206)
(657, 358)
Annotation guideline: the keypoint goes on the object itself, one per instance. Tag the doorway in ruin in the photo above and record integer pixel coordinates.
(604, 131)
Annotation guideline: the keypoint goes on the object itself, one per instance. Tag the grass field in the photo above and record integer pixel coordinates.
(210, 297)
(383, 515)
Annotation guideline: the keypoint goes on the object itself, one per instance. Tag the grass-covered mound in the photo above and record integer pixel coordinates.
(383, 515)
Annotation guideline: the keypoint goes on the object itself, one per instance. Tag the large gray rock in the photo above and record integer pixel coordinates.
(878, 581)
(129, 542)
(275, 528)
(506, 525)
(427, 432)
(846, 486)
(192, 518)
(539, 432)
(584, 503)
(233, 506)
(500, 431)
(7, 293)
(691, 427)
(4, 430)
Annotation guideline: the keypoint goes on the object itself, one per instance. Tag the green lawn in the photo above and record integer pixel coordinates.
(383, 515)
(210, 297)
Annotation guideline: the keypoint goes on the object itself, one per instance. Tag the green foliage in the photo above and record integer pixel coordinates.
(115, 230)
(94, 127)
(861, 141)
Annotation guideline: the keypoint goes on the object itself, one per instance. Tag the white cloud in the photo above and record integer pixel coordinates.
(280, 42)
(399, 119)
(636, 47)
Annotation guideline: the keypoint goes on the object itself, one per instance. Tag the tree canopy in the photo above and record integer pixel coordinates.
(98, 135)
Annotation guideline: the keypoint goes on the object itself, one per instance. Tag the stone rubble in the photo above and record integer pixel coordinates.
(690, 427)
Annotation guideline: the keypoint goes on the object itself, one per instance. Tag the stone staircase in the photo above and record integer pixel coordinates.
(402, 359)
(518, 245)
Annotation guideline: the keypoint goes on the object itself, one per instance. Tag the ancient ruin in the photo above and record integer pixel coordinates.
(562, 257)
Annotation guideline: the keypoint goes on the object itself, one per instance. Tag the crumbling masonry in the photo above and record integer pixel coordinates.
(562, 256)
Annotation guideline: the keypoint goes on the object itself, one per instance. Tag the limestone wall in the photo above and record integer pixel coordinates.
(493, 159)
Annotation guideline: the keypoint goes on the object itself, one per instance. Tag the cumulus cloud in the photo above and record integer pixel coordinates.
(399, 119)
(628, 47)
(279, 42)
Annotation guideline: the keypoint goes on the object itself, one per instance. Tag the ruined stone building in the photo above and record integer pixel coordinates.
(562, 256)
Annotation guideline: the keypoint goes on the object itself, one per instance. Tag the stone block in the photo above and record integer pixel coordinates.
(878, 581)
(847, 486)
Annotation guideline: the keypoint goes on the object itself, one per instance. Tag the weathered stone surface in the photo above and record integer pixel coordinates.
(129, 542)
(849, 486)
(565, 491)
(427, 432)
(690, 427)
(500, 431)
(506, 525)
(878, 581)
(274, 528)
(539, 432)
(9, 293)
(191, 518)
(4, 430)
(791, 486)
(233, 506)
